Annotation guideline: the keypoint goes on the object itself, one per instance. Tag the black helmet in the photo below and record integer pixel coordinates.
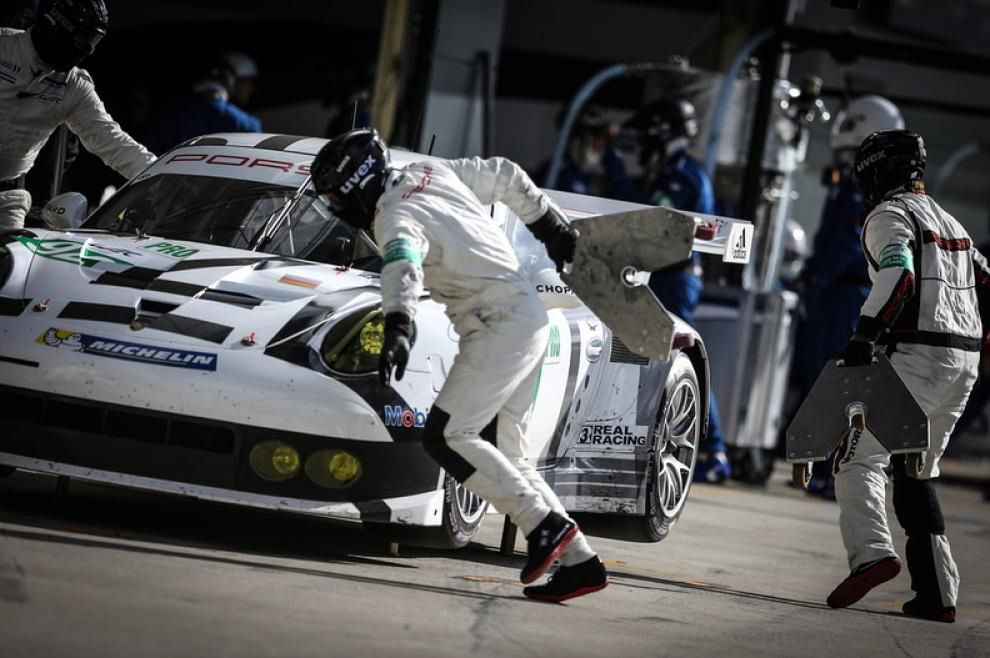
(67, 31)
(350, 171)
(666, 119)
(888, 161)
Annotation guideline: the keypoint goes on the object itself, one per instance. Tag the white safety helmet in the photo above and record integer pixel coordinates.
(861, 118)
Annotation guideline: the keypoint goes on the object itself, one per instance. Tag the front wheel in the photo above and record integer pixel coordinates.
(463, 513)
(676, 436)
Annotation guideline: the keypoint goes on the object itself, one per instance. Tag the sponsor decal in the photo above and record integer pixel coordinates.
(739, 244)
(119, 349)
(866, 162)
(553, 347)
(896, 255)
(220, 159)
(356, 177)
(554, 288)
(76, 253)
(853, 443)
(612, 435)
(302, 282)
(177, 251)
(423, 182)
(399, 416)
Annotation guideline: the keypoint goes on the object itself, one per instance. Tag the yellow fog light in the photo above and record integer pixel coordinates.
(372, 337)
(335, 469)
(274, 460)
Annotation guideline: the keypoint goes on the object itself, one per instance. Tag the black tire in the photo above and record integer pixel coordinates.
(463, 513)
(914, 464)
(676, 437)
(801, 474)
(7, 470)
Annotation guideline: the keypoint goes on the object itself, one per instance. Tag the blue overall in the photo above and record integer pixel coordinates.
(195, 116)
(684, 185)
(836, 285)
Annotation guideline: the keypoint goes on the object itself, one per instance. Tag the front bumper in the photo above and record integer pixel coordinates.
(203, 458)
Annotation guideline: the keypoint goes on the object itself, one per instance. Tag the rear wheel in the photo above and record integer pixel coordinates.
(463, 513)
(676, 436)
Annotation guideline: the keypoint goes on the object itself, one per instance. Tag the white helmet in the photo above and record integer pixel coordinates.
(861, 118)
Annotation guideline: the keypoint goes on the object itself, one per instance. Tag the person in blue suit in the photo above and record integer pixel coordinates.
(591, 164)
(208, 110)
(674, 178)
(835, 281)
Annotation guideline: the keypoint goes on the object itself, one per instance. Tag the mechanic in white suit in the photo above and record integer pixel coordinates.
(434, 227)
(41, 87)
(929, 287)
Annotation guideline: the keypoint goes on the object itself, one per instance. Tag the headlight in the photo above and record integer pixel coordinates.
(274, 461)
(352, 346)
(334, 469)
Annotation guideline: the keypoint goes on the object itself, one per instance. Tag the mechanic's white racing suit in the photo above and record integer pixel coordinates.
(929, 283)
(34, 101)
(431, 225)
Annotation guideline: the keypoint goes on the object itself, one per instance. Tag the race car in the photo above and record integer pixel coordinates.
(213, 331)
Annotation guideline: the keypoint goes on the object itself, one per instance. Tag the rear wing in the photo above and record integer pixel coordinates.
(732, 239)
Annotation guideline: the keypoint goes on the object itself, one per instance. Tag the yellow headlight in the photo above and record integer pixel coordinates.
(372, 337)
(274, 460)
(334, 469)
(344, 467)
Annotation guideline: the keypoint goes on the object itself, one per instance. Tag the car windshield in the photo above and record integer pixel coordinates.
(234, 213)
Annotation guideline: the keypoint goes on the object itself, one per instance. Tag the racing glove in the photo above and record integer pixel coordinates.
(857, 352)
(395, 347)
(556, 235)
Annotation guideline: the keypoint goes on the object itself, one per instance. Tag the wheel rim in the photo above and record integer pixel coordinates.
(470, 506)
(677, 448)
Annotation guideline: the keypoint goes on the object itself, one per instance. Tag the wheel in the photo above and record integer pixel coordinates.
(463, 513)
(676, 436)
(801, 474)
(7, 470)
(914, 463)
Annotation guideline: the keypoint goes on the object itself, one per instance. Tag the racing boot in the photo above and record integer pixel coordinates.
(570, 582)
(862, 580)
(545, 544)
(916, 608)
(712, 467)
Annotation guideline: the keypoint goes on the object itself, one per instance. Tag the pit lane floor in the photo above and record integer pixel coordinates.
(109, 572)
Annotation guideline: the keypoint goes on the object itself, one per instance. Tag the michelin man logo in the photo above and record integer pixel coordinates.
(62, 338)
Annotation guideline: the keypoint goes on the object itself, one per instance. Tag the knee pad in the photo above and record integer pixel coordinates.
(915, 502)
(435, 444)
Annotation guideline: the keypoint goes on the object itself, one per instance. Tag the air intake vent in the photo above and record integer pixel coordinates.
(622, 354)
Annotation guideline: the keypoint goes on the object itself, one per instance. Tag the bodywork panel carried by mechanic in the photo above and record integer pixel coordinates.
(213, 330)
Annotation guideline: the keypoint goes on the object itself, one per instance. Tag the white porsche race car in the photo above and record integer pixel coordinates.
(213, 331)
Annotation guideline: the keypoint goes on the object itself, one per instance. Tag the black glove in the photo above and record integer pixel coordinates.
(857, 352)
(557, 236)
(395, 347)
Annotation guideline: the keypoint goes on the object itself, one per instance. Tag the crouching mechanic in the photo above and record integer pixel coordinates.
(433, 227)
(929, 287)
(41, 87)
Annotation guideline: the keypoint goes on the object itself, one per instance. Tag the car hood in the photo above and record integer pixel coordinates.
(147, 282)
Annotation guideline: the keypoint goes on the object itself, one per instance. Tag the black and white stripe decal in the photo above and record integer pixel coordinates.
(278, 142)
(192, 327)
(98, 312)
(13, 307)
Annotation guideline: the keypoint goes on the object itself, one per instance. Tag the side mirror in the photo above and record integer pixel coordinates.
(65, 211)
